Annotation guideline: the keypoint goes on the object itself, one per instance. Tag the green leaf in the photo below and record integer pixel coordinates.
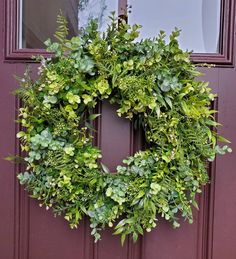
(123, 237)
(10, 158)
(135, 237)
(195, 204)
(168, 101)
(185, 107)
(93, 116)
(141, 193)
(158, 111)
(119, 231)
(20, 134)
(222, 139)
(120, 224)
(105, 168)
(140, 230)
(109, 192)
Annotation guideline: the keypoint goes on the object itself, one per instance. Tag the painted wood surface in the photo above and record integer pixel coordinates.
(30, 232)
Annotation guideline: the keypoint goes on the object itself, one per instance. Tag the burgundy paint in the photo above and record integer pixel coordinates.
(30, 232)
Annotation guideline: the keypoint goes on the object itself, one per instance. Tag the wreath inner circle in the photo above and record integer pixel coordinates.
(153, 83)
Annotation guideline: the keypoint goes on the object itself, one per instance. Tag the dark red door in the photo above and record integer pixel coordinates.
(30, 232)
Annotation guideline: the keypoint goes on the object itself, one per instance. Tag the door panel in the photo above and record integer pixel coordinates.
(225, 198)
(30, 232)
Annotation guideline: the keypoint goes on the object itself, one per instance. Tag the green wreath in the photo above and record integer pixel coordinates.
(153, 83)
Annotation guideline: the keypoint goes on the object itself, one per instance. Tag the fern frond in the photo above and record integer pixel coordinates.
(62, 29)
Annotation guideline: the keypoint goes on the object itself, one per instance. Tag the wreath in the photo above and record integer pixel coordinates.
(153, 83)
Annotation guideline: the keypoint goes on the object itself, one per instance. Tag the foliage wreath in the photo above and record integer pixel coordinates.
(153, 82)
